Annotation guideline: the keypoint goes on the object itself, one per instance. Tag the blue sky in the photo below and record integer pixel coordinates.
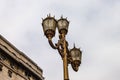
(94, 27)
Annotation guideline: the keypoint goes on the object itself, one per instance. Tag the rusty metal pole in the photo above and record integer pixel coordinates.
(65, 64)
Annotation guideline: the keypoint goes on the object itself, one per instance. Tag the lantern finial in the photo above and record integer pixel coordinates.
(74, 45)
(49, 15)
(61, 16)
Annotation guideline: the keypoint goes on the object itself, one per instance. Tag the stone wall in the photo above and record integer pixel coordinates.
(16, 65)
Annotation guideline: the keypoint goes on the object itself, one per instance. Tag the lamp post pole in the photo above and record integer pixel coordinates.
(65, 63)
(72, 56)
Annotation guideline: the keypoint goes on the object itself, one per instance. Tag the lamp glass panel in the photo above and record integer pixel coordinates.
(63, 24)
(75, 54)
(49, 24)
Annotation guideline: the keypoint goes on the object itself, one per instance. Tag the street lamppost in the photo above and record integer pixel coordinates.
(72, 56)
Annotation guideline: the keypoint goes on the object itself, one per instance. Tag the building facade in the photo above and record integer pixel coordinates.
(15, 65)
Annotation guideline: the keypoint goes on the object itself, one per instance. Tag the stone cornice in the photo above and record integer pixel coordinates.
(20, 57)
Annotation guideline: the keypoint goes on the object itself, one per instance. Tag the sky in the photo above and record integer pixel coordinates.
(94, 28)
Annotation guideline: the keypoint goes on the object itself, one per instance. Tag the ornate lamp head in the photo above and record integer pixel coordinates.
(63, 25)
(49, 26)
(76, 55)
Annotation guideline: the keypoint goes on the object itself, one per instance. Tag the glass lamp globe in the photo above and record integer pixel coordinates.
(49, 26)
(76, 55)
(63, 25)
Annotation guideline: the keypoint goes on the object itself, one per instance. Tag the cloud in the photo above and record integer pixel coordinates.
(94, 27)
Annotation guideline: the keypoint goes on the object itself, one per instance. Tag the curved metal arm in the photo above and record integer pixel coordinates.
(51, 44)
(60, 51)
